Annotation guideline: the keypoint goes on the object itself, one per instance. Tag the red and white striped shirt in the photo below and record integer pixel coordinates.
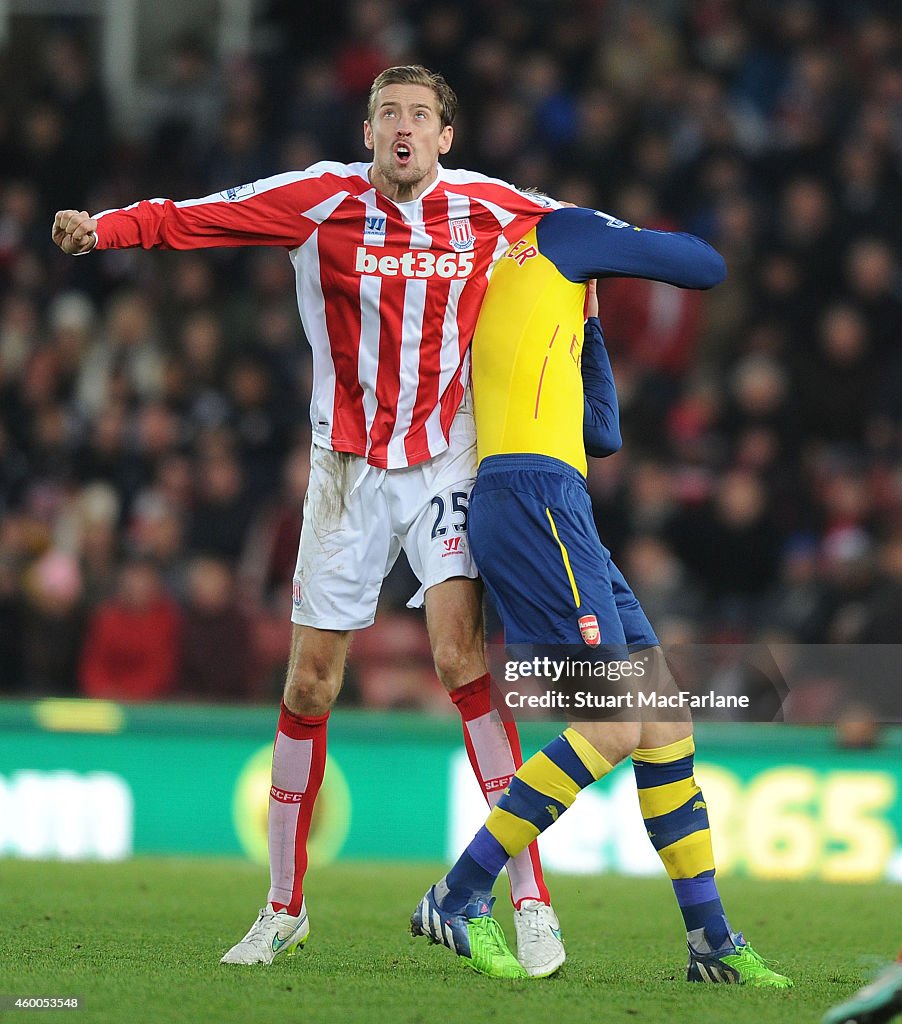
(388, 292)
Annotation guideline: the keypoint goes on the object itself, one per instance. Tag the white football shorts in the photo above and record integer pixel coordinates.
(357, 518)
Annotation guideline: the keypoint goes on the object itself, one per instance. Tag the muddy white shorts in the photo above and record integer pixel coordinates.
(357, 518)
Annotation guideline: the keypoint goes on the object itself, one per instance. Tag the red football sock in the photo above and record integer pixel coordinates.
(298, 764)
(493, 747)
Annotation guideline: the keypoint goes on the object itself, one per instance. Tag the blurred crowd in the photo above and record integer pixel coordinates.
(154, 432)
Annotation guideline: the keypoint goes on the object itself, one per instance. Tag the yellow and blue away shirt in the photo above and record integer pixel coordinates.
(529, 362)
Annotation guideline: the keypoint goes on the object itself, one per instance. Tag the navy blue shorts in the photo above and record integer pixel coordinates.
(534, 540)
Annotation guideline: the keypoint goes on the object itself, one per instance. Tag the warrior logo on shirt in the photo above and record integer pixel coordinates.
(239, 192)
(452, 546)
(374, 230)
(462, 237)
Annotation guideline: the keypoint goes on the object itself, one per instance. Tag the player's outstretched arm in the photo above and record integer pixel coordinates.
(588, 243)
(74, 231)
(264, 212)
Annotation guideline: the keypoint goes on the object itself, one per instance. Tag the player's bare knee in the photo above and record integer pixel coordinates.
(313, 681)
(662, 734)
(623, 740)
(311, 687)
(454, 621)
(458, 662)
(613, 740)
(315, 670)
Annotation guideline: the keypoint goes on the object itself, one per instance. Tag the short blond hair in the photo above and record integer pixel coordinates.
(416, 74)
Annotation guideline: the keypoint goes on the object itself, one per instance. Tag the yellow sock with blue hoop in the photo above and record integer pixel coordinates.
(538, 794)
(676, 819)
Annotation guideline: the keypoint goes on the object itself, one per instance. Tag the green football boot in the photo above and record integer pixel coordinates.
(472, 933)
(733, 964)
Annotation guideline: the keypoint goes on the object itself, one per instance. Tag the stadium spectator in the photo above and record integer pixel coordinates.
(125, 362)
(132, 645)
(836, 382)
(660, 581)
(52, 624)
(797, 609)
(156, 530)
(221, 514)
(217, 657)
(185, 107)
(11, 618)
(262, 440)
(731, 547)
(72, 87)
(873, 287)
(88, 526)
(883, 611)
(267, 564)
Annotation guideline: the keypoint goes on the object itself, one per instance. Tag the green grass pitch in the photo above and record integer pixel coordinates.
(140, 942)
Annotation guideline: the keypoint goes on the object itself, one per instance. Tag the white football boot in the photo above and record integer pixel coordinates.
(540, 948)
(273, 932)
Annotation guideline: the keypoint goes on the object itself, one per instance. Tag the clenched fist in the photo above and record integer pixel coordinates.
(74, 231)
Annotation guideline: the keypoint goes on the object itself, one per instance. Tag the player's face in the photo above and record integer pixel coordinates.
(407, 138)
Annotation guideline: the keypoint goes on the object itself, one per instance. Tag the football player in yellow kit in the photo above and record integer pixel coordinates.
(544, 397)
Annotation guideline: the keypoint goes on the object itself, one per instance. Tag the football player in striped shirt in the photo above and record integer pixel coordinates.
(544, 396)
(392, 259)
